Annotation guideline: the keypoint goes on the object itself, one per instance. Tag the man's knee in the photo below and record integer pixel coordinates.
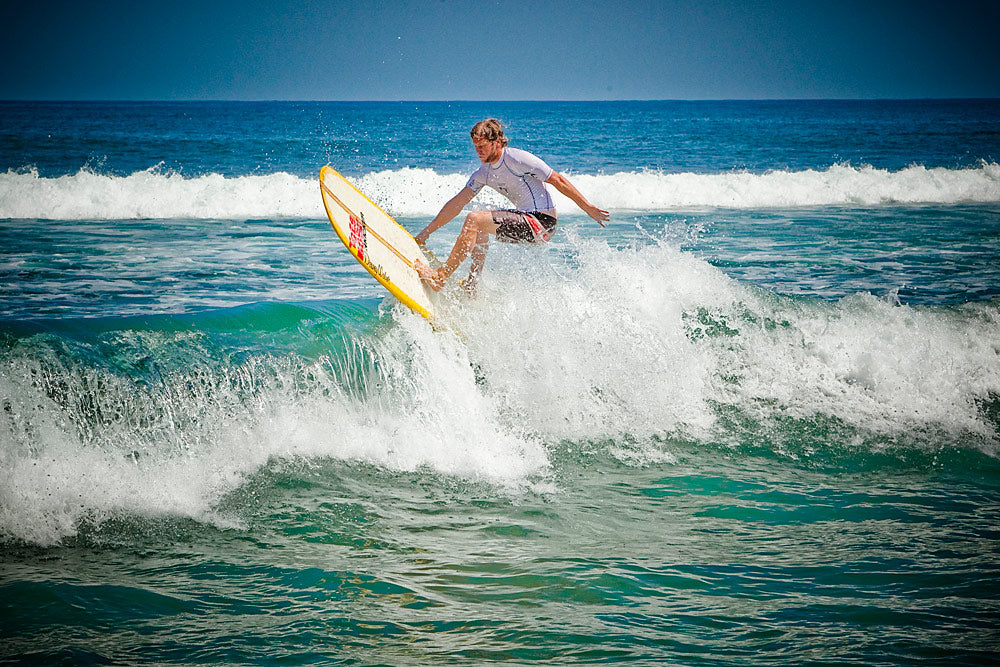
(479, 220)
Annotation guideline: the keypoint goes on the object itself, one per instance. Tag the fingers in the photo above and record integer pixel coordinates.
(601, 216)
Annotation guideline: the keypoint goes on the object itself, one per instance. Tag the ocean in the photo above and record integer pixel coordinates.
(754, 421)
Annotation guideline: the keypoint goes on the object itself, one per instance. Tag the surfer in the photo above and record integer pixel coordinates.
(520, 177)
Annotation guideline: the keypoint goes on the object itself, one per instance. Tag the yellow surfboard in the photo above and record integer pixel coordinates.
(379, 243)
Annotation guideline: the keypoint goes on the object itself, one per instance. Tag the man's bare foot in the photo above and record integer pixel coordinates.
(470, 284)
(429, 275)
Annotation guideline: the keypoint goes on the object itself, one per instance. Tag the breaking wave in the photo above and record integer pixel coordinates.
(634, 349)
(153, 193)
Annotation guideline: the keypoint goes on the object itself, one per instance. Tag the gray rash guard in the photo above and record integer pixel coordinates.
(519, 176)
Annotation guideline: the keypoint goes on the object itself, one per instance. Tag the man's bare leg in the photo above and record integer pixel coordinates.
(478, 261)
(477, 225)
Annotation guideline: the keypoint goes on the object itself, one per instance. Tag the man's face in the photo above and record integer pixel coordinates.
(488, 151)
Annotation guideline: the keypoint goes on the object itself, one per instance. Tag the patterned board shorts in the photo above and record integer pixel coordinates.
(521, 227)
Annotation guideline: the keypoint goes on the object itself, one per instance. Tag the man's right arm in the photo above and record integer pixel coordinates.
(447, 214)
(562, 184)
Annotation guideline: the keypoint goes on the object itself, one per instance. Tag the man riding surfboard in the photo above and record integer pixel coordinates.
(520, 177)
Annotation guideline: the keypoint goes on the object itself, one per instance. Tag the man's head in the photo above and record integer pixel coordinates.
(488, 138)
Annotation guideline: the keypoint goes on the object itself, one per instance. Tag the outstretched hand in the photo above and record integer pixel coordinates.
(598, 214)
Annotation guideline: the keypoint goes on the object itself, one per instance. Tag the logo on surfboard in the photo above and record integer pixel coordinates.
(377, 270)
(357, 238)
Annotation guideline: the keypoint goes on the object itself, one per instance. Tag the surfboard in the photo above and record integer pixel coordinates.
(379, 243)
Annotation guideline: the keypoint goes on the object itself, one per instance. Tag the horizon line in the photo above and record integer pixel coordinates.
(487, 101)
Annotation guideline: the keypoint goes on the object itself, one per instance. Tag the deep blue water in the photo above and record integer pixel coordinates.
(237, 138)
(754, 421)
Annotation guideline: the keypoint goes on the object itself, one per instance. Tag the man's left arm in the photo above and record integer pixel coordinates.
(562, 184)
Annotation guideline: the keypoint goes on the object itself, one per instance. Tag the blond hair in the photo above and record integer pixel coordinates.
(489, 129)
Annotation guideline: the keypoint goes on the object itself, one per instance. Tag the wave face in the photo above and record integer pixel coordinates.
(154, 193)
(633, 351)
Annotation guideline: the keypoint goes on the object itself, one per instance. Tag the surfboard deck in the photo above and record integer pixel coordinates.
(376, 241)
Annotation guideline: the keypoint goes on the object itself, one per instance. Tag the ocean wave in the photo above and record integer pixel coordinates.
(652, 341)
(152, 193)
(629, 349)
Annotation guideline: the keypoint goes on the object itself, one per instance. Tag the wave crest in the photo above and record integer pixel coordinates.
(151, 193)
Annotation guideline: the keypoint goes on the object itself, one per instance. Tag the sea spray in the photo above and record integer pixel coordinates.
(653, 342)
(641, 350)
(582, 347)
(639, 347)
(150, 434)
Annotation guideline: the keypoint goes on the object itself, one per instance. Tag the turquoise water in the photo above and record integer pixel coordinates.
(754, 421)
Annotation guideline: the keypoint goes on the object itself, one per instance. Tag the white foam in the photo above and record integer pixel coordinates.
(152, 193)
(588, 350)
(81, 446)
(889, 369)
(647, 342)
(86, 195)
(839, 185)
(623, 349)
(59, 468)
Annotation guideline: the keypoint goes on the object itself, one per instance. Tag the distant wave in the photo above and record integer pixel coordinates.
(151, 193)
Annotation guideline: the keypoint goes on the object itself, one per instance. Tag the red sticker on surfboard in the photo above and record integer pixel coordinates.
(357, 240)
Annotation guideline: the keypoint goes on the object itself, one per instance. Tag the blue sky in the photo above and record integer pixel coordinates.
(462, 50)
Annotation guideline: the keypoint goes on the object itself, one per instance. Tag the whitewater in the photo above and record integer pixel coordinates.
(640, 348)
(159, 193)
